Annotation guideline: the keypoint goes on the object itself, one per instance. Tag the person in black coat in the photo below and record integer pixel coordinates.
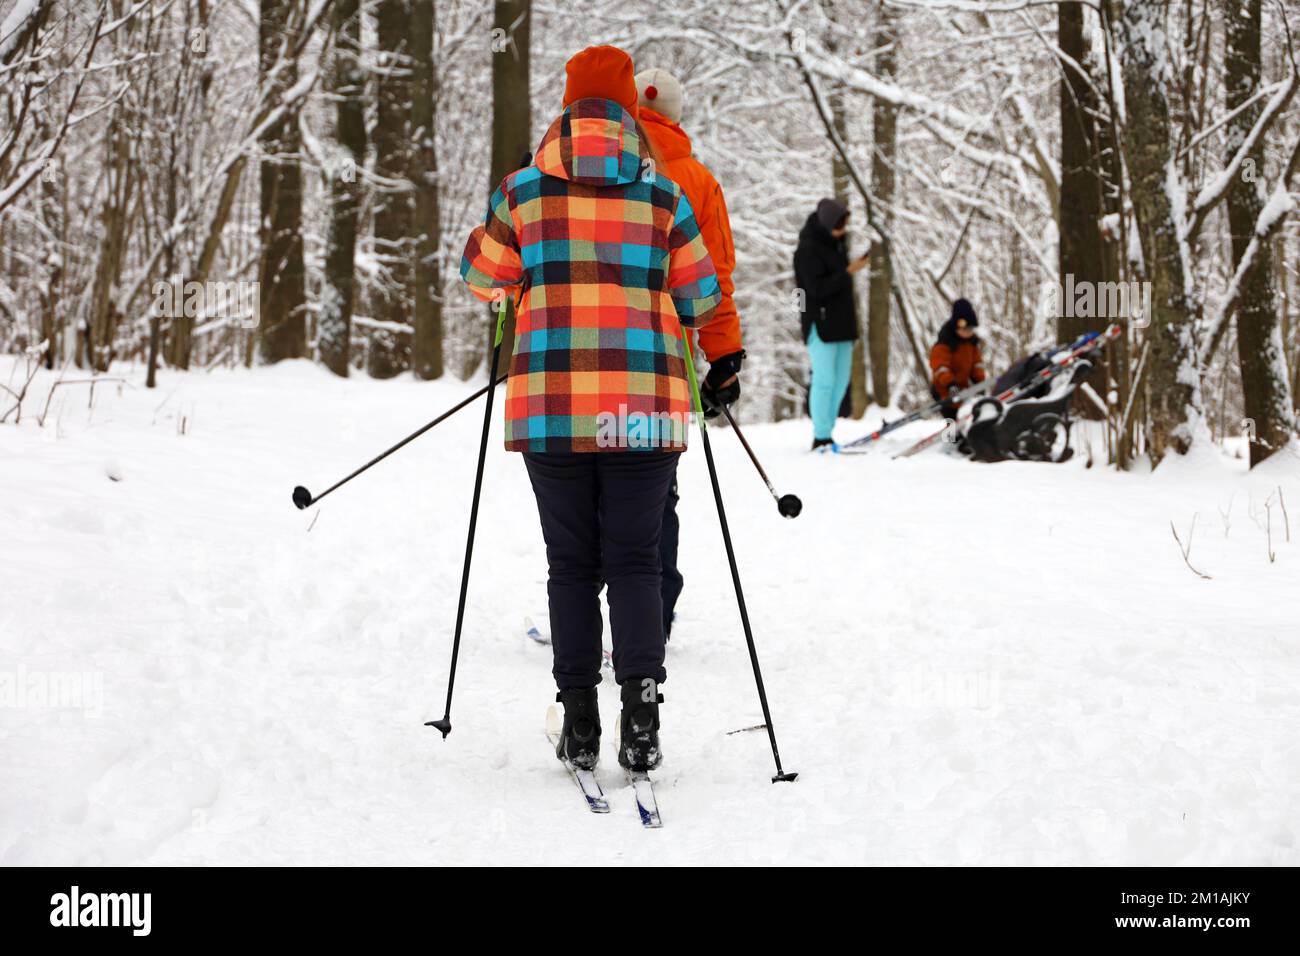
(829, 319)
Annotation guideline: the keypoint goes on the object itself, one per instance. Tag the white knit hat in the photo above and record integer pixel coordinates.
(660, 91)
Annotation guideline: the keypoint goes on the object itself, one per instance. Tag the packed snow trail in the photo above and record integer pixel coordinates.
(966, 664)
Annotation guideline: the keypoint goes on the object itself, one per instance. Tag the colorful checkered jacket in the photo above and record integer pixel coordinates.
(611, 265)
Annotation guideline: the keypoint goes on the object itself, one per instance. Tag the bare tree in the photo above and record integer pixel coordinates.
(1265, 389)
(1173, 379)
(1082, 203)
(883, 157)
(281, 278)
(180, 328)
(346, 86)
(390, 341)
(426, 352)
(118, 147)
(512, 115)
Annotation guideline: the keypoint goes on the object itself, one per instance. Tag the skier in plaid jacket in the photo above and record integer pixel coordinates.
(606, 260)
(611, 263)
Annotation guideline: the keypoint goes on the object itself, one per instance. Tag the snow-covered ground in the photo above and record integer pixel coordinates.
(967, 664)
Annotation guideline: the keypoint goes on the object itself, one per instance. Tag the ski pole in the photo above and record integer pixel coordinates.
(444, 725)
(731, 560)
(789, 505)
(304, 498)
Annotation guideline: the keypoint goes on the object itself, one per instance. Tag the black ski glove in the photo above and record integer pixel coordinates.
(713, 394)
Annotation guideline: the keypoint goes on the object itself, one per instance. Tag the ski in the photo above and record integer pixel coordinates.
(859, 445)
(1069, 355)
(925, 442)
(530, 629)
(534, 634)
(585, 779)
(646, 804)
(643, 789)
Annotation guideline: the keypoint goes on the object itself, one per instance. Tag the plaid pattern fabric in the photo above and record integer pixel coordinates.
(611, 264)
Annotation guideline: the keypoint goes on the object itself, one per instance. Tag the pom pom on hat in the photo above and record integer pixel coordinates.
(660, 91)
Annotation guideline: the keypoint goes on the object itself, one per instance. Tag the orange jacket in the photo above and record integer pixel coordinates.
(721, 336)
(961, 366)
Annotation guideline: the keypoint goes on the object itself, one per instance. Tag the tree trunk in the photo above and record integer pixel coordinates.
(426, 352)
(884, 141)
(53, 192)
(345, 84)
(1173, 373)
(182, 331)
(281, 292)
(390, 345)
(169, 262)
(180, 334)
(1265, 389)
(103, 319)
(512, 116)
(174, 158)
(1081, 204)
(1108, 160)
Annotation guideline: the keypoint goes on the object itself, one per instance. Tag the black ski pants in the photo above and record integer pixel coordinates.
(602, 516)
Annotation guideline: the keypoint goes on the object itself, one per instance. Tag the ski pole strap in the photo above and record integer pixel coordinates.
(690, 375)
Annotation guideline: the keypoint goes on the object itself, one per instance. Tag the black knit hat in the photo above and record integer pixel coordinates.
(962, 309)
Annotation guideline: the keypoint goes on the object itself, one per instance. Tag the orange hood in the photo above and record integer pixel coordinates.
(593, 141)
(670, 140)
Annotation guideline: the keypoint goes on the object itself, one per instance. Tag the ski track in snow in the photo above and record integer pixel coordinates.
(1004, 664)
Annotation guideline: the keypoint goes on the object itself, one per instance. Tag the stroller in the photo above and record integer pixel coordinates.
(1033, 426)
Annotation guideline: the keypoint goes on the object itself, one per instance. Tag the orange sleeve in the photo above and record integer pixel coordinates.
(721, 336)
(941, 374)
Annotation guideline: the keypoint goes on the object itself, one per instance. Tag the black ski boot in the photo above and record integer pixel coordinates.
(580, 737)
(638, 747)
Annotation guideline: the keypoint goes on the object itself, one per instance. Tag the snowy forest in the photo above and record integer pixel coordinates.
(248, 245)
(195, 183)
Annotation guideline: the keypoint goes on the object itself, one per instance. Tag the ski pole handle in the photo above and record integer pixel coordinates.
(690, 376)
(500, 296)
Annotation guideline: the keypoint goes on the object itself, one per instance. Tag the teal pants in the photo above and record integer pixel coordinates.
(832, 364)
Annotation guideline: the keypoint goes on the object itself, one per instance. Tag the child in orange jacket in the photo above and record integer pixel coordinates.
(955, 359)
